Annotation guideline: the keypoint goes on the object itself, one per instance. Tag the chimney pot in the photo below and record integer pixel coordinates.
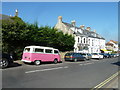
(59, 19)
(88, 28)
(82, 26)
(73, 22)
(94, 31)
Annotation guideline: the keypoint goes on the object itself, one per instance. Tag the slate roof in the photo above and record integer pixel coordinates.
(85, 32)
(67, 24)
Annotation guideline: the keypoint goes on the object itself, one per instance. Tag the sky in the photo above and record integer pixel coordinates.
(101, 16)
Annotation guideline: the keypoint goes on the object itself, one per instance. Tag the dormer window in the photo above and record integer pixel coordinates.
(80, 31)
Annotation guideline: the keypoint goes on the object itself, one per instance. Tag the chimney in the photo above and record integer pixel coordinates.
(73, 22)
(94, 31)
(88, 28)
(60, 19)
(82, 27)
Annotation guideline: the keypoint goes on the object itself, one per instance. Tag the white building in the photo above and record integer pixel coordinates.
(112, 45)
(85, 40)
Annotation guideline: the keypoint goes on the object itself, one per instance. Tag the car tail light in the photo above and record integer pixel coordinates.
(71, 57)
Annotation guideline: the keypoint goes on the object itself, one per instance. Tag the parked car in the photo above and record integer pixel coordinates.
(6, 60)
(105, 55)
(87, 55)
(117, 54)
(97, 56)
(109, 55)
(113, 55)
(74, 57)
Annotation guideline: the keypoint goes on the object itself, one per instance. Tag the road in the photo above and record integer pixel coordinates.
(82, 74)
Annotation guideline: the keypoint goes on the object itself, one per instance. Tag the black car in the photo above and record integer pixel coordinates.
(6, 60)
(74, 57)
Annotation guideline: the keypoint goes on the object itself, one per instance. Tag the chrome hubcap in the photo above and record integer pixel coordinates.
(3, 63)
(37, 62)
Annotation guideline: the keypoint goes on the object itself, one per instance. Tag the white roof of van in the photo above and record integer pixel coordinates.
(40, 47)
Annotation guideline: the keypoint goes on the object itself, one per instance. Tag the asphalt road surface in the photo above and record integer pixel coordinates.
(82, 74)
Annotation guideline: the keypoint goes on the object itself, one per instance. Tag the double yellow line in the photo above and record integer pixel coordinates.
(106, 81)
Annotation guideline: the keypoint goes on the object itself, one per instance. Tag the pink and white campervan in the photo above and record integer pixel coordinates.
(38, 54)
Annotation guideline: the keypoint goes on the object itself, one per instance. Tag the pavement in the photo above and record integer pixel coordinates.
(18, 61)
(114, 84)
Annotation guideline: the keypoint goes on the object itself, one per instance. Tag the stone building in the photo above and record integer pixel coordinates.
(85, 40)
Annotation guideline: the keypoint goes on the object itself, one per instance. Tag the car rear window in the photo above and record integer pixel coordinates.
(83, 54)
(67, 54)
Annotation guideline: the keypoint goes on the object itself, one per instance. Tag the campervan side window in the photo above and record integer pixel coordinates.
(27, 50)
(39, 50)
(56, 52)
(48, 51)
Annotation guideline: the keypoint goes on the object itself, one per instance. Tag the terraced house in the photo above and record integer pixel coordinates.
(86, 40)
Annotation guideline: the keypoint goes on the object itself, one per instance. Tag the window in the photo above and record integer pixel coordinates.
(48, 51)
(56, 52)
(81, 40)
(78, 39)
(92, 42)
(89, 41)
(27, 50)
(39, 50)
(84, 40)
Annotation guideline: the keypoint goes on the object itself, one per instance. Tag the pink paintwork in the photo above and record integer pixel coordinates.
(43, 57)
(38, 56)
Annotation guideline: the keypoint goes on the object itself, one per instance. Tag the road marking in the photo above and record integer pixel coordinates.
(86, 63)
(65, 67)
(43, 65)
(80, 64)
(105, 82)
(46, 69)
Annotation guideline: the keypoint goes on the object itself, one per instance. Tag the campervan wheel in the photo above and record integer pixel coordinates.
(37, 62)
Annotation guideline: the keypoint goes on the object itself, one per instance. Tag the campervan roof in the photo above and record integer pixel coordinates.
(39, 47)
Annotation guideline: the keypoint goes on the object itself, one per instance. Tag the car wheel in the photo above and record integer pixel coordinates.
(55, 61)
(75, 60)
(85, 59)
(37, 62)
(4, 63)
